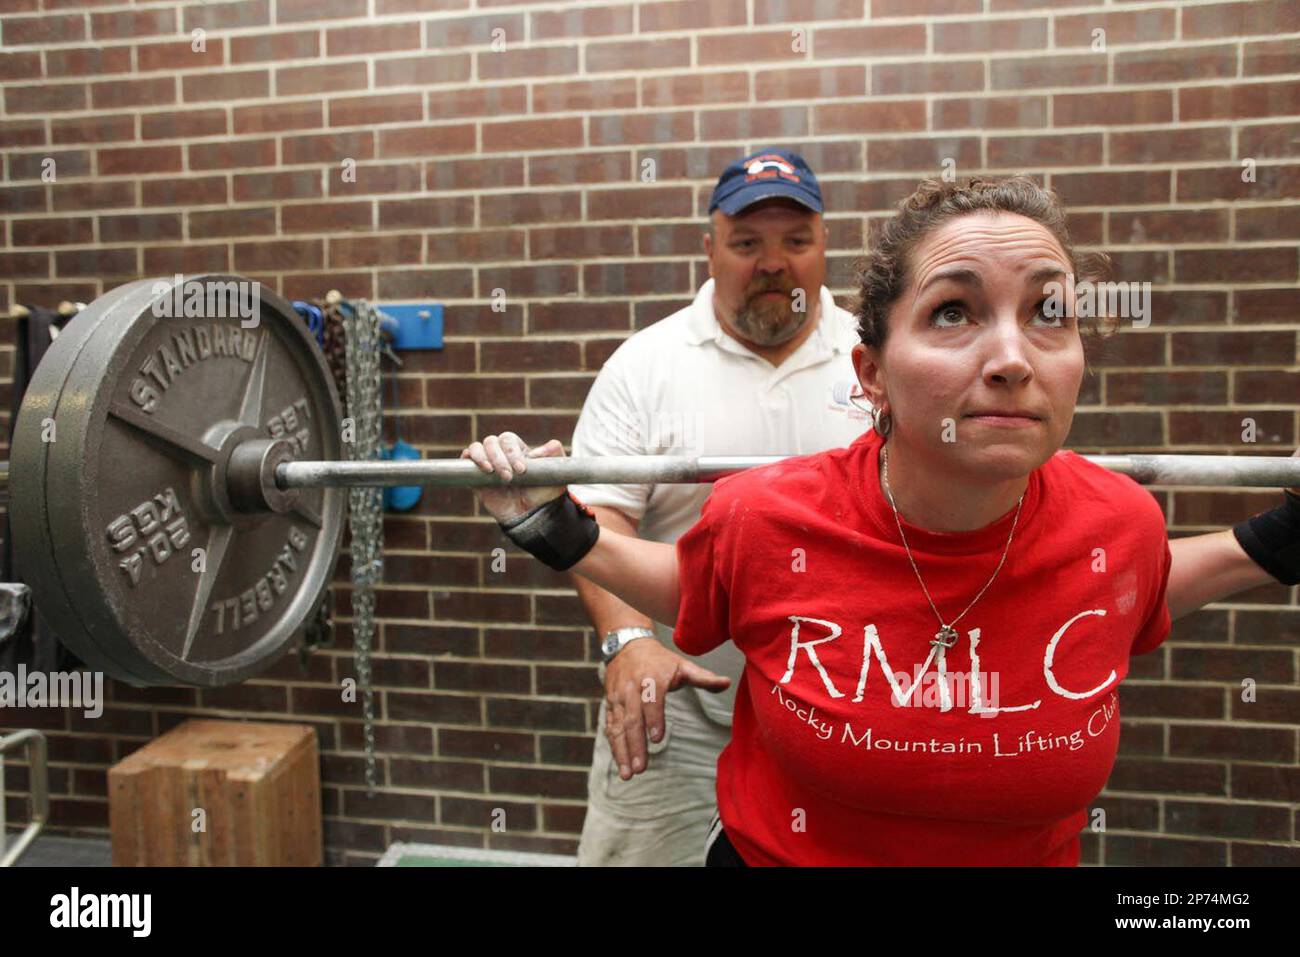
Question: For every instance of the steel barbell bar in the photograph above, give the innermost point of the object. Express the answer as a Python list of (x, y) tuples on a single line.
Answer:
[(1191, 470), (1225, 470)]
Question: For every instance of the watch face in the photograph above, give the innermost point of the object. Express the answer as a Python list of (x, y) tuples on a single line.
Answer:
[(609, 645)]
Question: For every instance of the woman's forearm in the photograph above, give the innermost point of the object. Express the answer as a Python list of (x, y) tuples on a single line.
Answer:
[(1207, 568), (642, 573)]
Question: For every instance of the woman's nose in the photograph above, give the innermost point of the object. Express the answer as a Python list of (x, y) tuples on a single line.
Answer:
[(1006, 359)]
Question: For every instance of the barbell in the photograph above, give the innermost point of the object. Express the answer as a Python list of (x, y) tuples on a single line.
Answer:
[(175, 476)]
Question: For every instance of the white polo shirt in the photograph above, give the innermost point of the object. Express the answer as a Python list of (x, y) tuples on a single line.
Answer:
[(682, 386)]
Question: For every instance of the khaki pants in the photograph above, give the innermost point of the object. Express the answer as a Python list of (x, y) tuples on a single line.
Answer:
[(661, 817)]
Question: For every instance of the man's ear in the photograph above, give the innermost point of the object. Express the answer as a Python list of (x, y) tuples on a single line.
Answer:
[(866, 363), (708, 252)]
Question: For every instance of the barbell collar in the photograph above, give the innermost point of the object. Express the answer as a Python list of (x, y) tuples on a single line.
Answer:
[(1208, 470)]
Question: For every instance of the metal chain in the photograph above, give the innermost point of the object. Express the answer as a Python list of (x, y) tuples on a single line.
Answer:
[(365, 505), (945, 629)]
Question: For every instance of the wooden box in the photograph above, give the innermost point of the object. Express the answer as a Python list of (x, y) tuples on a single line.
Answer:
[(214, 793)]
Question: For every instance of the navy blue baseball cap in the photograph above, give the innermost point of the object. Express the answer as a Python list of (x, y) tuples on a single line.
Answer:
[(764, 175)]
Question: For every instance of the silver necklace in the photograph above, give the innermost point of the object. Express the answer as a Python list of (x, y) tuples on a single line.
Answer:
[(946, 636)]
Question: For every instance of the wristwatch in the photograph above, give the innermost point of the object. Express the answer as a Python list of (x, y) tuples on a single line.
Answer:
[(616, 640)]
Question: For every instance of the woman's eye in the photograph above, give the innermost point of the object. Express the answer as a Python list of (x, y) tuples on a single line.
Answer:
[(948, 314), (1056, 322)]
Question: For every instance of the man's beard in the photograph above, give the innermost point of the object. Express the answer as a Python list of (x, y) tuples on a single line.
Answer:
[(769, 322)]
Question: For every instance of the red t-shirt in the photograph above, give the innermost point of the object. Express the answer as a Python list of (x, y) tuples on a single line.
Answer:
[(801, 565)]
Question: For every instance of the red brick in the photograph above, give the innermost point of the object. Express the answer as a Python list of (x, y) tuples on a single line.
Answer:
[(82, 197), (536, 207), (811, 83), (373, 110), (923, 154), (1272, 56), (518, 135), (990, 112), (889, 79), (527, 61), (651, 202), (354, 40), (1169, 226), (642, 127), (1061, 149), (231, 154), (295, 184), (1265, 305), (226, 16), (686, 89), (631, 55), (1271, 182), (573, 317), (420, 284), (421, 70), (785, 11), (138, 159), (376, 178), (281, 45), (583, 22), (279, 116), (603, 167), (86, 129), (32, 132), (1109, 188), (330, 147), (579, 242), (80, 62), (122, 93), (323, 78), (984, 36), (1168, 146), (433, 212), (1268, 222), (45, 29), (46, 99), (186, 258), (1239, 101), (1255, 348), (869, 117), (184, 124), (480, 246), (299, 11), (616, 93), (231, 222), (635, 279), (1173, 65), (1124, 26), (486, 101), (765, 123), (322, 217), (280, 255), (426, 140), (229, 85), (1236, 265), (463, 174), (180, 55), (920, 8), (1062, 70), (1234, 19), (349, 252), (443, 34), (737, 47), (527, 281), (1100, 109), (192, 190), (1116, 430)]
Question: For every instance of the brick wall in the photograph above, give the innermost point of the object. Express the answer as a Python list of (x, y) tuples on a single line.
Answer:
[(564, 153)]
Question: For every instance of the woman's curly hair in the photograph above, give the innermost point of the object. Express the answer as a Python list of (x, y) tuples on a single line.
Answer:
[(883, 271)]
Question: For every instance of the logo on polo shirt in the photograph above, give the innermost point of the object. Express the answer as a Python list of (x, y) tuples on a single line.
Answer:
[(847, 396), (770, 166)]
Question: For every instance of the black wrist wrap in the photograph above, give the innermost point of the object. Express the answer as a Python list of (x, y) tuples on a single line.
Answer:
[(557, 533), (1272, 539)]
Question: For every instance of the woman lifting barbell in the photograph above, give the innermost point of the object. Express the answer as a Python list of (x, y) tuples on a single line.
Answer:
[(936, 619)]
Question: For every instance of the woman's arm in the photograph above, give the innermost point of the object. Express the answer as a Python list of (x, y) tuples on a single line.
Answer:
[(642, 573), (1207, 568)]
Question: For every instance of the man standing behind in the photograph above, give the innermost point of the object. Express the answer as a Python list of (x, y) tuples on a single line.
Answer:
[(758, 364)]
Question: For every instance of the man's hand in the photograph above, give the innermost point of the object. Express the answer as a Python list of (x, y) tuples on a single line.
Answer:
[(636, 682)]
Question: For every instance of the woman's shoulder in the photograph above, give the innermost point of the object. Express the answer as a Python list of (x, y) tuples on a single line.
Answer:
[(798, 480), (1102, 489)]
